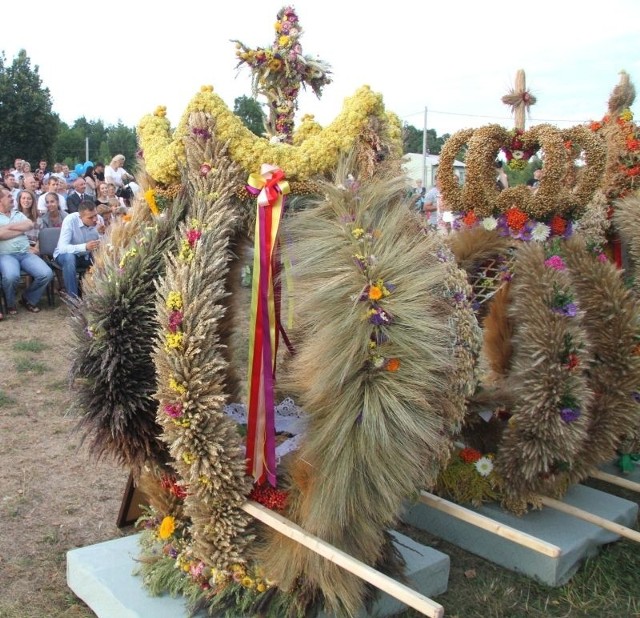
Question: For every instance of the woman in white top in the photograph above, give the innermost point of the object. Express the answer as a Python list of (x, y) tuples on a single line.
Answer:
[(115, 172)]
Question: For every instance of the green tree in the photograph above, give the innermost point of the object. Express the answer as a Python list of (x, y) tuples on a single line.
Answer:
[(122, 140), (28, 126), (250, 112), (412, 140)]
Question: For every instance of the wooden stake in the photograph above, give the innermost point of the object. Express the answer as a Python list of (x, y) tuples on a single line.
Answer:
[(486, 523), (616, 480), (591, 518), (401, 592)]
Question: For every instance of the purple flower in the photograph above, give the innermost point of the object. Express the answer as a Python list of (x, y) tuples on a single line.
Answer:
[(568, 415), (570, 310), (380, 317), (459, 297), (175, 320)]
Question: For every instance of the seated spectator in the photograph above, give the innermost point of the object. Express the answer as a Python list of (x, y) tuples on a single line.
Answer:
[(52, 187), (77, 196), (16, 256), (102, 194), (27, 205), (105, 212), (79, 237), (54, 216)]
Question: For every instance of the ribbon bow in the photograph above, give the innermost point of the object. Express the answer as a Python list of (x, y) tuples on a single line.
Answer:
[(268, 185)]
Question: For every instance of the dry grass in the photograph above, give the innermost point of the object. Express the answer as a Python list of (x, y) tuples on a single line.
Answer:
[(53, 498)]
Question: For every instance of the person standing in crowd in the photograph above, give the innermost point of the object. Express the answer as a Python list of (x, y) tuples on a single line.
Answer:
[(418, 194), (431, 205), (79, 238), (502, 182), (98, 171), (54, 216), (91, 187), (15, 255), (115, 172)]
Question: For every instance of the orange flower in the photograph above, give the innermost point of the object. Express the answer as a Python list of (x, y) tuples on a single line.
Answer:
[(375, 293), (568, 145), (595, 126), (470, 219), (470, 455), (393, 364), (515, 219), (558, 225), (633, 144)]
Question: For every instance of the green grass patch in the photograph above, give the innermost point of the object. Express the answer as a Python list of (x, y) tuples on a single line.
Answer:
[(26, 365), (31, 345), (6, 400)]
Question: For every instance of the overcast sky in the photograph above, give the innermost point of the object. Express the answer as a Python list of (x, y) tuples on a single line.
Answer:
[(118, 61)]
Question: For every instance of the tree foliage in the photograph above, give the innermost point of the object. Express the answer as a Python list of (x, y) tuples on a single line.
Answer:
[(250, 112), (413, 140), (28, 126)]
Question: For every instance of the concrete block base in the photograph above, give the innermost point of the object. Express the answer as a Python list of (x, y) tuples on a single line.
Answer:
[(102, 576), (576, 538)]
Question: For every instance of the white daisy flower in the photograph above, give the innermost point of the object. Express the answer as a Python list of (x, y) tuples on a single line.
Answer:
[(540, 232), (484, 466), (489, 223)]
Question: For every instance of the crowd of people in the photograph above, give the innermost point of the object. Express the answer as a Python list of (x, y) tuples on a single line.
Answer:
[(82, 205)]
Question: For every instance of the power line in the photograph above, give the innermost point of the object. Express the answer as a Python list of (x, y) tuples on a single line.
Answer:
[(435, 111)]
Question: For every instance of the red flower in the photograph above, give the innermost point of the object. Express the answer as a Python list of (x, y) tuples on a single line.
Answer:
[(633, 144), (470, 219), (572, 362), (469, 455), (274, 499), (633, 171), (193, 236), (515, 219), (558, 225), (595, 126)]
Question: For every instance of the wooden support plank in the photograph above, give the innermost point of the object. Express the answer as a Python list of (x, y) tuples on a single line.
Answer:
[(401, 592), (616, 480), (619, 529), (486, 523)]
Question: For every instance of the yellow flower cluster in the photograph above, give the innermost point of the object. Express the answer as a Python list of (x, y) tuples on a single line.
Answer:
[(318, 152), (174, 301), (150, 198), (186, 252), (167, 528), (173, 341), (175, 386), (130, 253)]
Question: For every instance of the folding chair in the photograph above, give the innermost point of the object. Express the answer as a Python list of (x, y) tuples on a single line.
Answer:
[(48, 241)]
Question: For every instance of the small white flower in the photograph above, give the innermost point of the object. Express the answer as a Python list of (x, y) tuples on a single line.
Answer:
[(484, 466), (517, 154), (540, 232), (489, 223)]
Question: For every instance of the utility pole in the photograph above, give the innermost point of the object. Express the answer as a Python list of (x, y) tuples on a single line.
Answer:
[(425, 149), (86, 148)]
